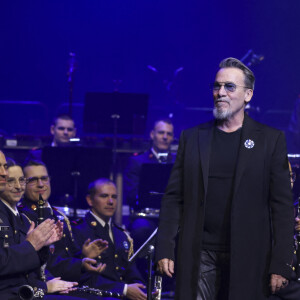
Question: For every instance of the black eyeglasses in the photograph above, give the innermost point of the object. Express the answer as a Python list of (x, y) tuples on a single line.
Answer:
[(228, 86), (35, 180)]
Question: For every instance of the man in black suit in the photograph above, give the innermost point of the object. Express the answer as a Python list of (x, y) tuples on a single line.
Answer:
[(229, 196), (121, 276)]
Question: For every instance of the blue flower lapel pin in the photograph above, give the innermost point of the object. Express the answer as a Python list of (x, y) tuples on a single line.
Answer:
[(249, 144)]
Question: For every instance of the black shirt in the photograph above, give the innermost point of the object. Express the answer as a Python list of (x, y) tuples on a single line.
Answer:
[(222, 164)]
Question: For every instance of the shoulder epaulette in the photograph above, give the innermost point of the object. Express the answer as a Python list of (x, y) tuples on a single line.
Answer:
[(66, 220), (27, 218)]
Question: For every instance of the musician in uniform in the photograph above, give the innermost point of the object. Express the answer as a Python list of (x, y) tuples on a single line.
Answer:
[(122, 276), (62, 129), (22, 247), (162, 136), (65, 258)]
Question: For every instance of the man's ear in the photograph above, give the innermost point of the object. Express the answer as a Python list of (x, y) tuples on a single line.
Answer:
[(52, 129), (152, 134), (249, 94), (89, 200)]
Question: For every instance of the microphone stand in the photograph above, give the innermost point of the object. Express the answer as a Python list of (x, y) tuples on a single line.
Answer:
[(115, 118), (70, 73), (147, 251)]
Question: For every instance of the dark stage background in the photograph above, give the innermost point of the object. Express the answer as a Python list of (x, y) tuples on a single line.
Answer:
[(118, 39)]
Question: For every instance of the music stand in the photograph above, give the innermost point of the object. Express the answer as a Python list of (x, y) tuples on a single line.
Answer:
[(73, 168), (147, 251), (152, 184), (99, 108)]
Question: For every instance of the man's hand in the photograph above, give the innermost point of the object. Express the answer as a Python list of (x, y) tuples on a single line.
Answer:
[(57, 233), (39, 236), (87, 264), (134, 291), (277, 282), (166, 266), (94, 248), (58, 285)]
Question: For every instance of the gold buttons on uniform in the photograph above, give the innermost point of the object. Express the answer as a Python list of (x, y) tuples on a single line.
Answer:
[(116, 255), (121, 278), (6, 236), (64, 235), (117, 268), (16, 231), (293, 268), (67, 249), (99, 256)]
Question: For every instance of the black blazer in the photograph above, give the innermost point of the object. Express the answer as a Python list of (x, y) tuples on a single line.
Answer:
[(261, 213)]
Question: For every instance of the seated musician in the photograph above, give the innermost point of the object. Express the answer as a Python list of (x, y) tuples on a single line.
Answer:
[(65, 258), (22, 245), (162, 136), (62, 129), (102, 199)]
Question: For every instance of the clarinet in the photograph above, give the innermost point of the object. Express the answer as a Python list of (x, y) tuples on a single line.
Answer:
[(98, 292), (26, 292), (40, 210), (41, 219), (298, 246)]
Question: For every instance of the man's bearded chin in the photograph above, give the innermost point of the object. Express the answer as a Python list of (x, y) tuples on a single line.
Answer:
[(222, 114)]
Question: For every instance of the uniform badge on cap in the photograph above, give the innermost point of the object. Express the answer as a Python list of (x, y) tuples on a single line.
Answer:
[(249, 144), (94, 223), (125, 244)]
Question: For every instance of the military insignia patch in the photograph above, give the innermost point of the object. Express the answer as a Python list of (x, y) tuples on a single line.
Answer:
[(94, 223), (125, 244), (33, 207)]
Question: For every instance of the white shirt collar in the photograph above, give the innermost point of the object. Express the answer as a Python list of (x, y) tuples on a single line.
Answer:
[(14, 211), (101, 221), (154, 153)]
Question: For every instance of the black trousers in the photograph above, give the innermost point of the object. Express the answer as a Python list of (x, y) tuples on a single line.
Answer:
[(213, 276)]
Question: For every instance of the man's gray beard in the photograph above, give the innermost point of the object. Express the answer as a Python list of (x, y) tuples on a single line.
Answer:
[(221, 114)]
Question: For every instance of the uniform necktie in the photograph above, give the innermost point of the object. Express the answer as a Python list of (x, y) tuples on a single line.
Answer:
[(106, 228)]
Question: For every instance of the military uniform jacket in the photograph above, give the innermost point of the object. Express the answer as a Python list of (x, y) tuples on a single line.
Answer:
[(19, 263), (118, 270), (64, 260)]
